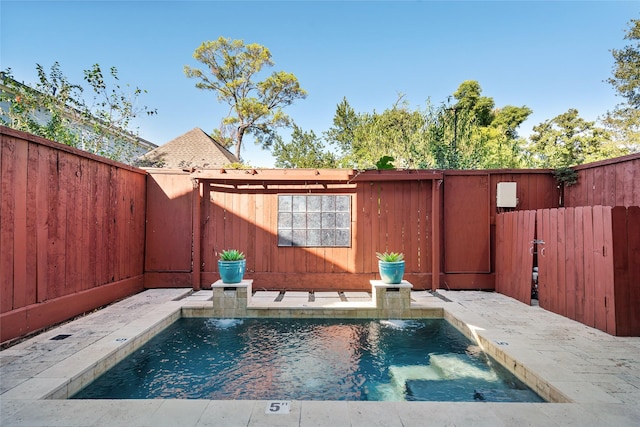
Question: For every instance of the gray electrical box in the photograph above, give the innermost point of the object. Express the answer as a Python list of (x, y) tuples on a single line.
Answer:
[(506, 195)]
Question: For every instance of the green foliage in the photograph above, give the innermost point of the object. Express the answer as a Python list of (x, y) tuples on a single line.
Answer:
[(623, 123), (112, 109), (365, 138), (469, 134), (238, 166), (385, 162), (55, 109), (231, 255), (390, 256), (305, 150), (345, 121), (568, 140), (255, 106), (626, 72), (565, 176)]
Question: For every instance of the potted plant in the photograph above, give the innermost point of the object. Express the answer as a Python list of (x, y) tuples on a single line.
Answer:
[(391, 267), (231, 266)]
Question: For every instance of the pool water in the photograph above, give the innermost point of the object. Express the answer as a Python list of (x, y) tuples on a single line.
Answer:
[(309, 359)]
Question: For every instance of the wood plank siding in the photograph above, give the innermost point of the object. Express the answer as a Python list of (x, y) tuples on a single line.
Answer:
[(588, 260), (71, 232)]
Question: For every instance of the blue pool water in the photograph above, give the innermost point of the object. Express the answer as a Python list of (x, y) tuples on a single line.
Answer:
[(309, 359)]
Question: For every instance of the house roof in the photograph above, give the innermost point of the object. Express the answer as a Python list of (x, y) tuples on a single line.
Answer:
[(194, 149)]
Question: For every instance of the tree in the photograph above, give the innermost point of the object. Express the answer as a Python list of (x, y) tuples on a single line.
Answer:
[(473, 134), (365, 138), (568, 140), (626, 71), (111, 112), (55, 109), (624, 121), (469, 99), (345, 122), (468, 134), (255, 107), (48, 110), (304, 151)]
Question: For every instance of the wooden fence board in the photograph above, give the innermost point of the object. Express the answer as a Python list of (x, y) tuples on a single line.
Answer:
[(20, 226), (629, 312), (31, 225), (551, 259), (600, 273), (42, 224), (589, 274), (579, 256), (561, 286), (7, 225), (626, 247), (545, 250), (609, 282), (570, 263), (515, 232)]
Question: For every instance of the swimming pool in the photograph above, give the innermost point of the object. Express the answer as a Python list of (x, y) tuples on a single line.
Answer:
[(309, 359)]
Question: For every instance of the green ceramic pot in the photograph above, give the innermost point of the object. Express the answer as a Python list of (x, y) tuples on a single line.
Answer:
[(232, 271), (391, 272)]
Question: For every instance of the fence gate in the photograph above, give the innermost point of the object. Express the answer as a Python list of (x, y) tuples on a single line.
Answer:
[(576, 265), (515, 252)]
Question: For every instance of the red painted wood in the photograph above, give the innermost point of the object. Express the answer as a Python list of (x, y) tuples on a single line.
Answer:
[(629, 309), (31, 219), (34, 317), (608, 305), (551, 260), (614, 182), (42, 223), (543, 274), (196, 214), (466, 216), (525, 282), (626, 249), (47, 238), (20, 226), (599, 269), (7, 222), (436, 233), (561, 287), (570, 263), (168, 229), (579, 256), (589, 273)]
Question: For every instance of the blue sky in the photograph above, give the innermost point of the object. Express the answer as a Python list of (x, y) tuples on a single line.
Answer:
[(549, 56)]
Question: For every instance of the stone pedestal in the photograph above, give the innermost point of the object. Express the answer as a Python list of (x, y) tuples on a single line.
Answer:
[(392, 300), (230, 299)]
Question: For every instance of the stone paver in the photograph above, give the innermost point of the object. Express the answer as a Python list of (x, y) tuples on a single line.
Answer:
[(598, 374)]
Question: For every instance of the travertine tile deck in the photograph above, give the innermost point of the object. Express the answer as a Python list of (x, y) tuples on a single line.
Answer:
[(597, 373)]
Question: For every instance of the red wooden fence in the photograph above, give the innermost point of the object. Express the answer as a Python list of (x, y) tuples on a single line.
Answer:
[(588, 260), (71, 232), (515, 235), (614, 182), (391, 211)]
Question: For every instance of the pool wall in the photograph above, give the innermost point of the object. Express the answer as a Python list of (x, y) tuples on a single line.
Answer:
[(110, 350)]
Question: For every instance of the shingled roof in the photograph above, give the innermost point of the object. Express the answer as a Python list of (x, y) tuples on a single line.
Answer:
[(194, 149)]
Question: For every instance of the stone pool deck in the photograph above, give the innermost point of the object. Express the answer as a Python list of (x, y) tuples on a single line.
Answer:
[(597, 375)]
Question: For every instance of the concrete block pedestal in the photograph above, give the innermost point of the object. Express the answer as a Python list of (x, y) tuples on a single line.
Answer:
[(392, 300), (230, 299)]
